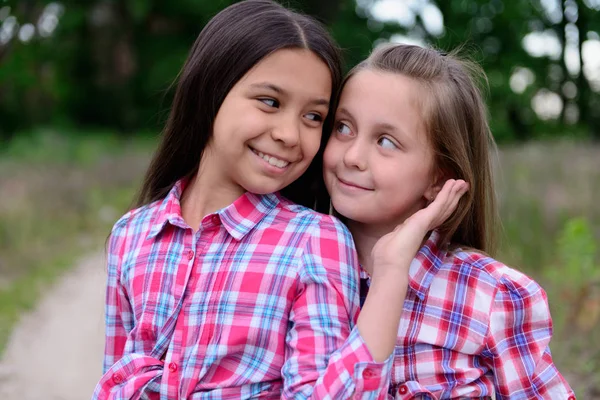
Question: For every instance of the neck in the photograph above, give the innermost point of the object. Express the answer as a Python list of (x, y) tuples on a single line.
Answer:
[(204, 195), (365, 237)]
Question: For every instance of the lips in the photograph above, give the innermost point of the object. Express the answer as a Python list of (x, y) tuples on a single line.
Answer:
[(352, 184)]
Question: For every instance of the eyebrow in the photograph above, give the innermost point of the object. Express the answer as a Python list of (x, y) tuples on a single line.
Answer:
[(387, 127), (346, 113), (283, 92)]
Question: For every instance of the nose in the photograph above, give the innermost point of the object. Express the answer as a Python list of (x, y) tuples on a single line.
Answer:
[(287, 132), (354, 156)]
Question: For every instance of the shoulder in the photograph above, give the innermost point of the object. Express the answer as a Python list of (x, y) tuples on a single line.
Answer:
[(134, 223), (504, 280), (316, 224), (328, 248)]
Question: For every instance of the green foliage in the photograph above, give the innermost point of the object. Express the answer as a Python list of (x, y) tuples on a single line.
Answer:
[(575, 268), (575, 299), (548, 192), (111, 63), (577, 250), (60, 196)]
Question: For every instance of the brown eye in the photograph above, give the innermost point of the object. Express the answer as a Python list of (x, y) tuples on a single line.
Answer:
[(314, 117)]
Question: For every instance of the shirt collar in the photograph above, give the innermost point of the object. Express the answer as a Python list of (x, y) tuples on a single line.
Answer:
[(169, 210), (425, 265), (238, 218), (246, 212)]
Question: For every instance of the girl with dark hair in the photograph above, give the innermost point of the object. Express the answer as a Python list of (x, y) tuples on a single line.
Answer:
[(221, 284), (409, 119)]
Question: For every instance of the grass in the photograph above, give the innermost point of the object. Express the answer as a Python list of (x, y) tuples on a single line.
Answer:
[(59, 196), (548, 201)]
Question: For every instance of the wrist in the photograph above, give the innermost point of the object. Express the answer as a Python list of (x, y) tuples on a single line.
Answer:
[(389, 276), (398, 268)]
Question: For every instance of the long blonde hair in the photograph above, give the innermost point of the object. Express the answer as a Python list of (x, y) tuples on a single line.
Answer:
[(456, 122)]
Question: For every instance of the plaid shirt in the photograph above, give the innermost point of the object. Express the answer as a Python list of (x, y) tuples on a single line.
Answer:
[(471, 324), (260, 302)]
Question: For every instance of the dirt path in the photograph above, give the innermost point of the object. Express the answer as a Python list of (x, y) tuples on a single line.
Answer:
[(55, 352)]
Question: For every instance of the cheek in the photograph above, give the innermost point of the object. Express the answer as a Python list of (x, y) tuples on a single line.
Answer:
[(311, 144), (400, 181), (331, 155), (386, 176)]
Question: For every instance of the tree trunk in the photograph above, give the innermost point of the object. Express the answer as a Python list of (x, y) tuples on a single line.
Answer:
[(560, 30), (583, 86)]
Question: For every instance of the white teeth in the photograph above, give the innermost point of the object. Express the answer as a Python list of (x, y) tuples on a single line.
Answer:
[(272, 160)]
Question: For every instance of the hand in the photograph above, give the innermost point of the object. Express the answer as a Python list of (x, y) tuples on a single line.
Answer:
[(400, 246)]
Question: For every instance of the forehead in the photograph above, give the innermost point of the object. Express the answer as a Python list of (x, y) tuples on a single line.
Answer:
[(379, 99), (390, 91), (300, 71)]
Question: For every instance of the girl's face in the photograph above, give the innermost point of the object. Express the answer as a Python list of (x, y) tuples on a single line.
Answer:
[(378, 163), (268, 129)]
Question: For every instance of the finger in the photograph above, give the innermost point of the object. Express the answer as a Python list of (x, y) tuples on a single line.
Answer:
[(443, 197), (427, 218), (442, 204), (448, 200), (458, 189), (439, 210)]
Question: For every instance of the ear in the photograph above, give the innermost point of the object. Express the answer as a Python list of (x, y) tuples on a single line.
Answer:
[(438, 178)]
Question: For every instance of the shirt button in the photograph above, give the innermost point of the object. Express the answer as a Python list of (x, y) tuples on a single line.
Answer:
[(571, 397), (368, 373), (190, 254), (403, 389), (172, 367), (216, 219), (117, 378)]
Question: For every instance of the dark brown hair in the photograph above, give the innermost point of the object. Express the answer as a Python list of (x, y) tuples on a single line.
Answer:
[(456, 122), (230, 44)]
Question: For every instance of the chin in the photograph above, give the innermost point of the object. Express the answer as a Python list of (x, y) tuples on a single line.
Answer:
[(362, 213), (263, 187), (353, 212)]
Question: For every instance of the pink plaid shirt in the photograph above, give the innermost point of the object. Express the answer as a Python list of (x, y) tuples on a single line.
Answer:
[(472, 325), (260, 302)]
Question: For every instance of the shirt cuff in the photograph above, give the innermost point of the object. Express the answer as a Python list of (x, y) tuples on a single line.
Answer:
[(371, 378), (128, 377)]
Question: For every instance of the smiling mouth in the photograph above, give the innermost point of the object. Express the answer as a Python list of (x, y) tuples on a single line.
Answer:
[(353, 185), (274, 161)]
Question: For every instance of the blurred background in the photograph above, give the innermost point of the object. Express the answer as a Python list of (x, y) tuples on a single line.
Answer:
[(85, 90)]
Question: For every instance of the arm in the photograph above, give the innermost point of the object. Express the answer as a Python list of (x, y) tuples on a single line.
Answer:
[(118, 314), (125, 376), (517, 345), (327, 305), (322, 320), (391, 258)]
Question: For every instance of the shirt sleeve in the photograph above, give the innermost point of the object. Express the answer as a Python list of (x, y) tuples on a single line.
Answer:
[(517, 345), (326, 358), (118, 313)]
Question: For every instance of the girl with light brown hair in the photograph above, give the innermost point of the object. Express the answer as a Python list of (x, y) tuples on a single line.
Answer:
[(409, 119)]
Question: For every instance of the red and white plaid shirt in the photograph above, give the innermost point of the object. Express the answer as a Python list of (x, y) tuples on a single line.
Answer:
[(472, 325), (260, 302)]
